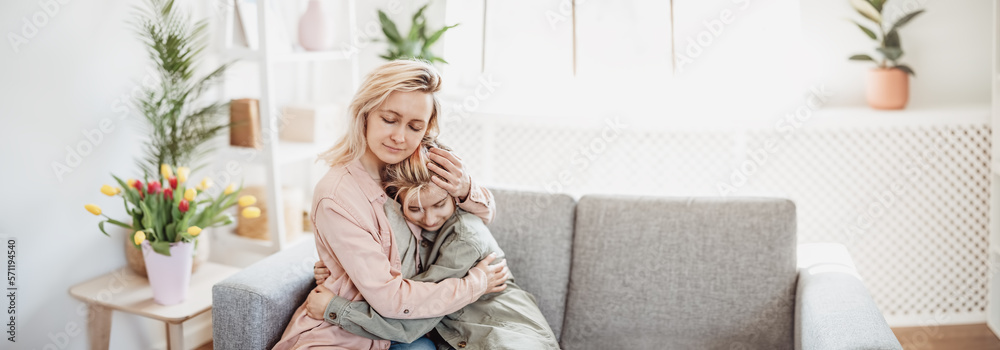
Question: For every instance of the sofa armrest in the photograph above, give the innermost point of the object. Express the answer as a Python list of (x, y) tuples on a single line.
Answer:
[(251, 308), (833, 310)]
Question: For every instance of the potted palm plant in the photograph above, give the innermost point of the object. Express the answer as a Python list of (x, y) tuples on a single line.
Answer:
[(888, 83)]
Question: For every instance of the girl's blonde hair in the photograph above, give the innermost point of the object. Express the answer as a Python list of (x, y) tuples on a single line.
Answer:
[(404, 180), (399, 75)]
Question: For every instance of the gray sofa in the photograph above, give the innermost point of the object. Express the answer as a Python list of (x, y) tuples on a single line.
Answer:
[(614, 272)]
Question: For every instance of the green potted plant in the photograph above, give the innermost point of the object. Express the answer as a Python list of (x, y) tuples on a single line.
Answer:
[(416, 44), (888, 83)]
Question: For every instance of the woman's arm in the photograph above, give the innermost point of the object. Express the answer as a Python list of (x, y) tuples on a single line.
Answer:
[(455, 259), (365, 259)]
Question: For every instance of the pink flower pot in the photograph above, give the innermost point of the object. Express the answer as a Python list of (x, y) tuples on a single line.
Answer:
[(888, 88), (315, 29), (169, 276)]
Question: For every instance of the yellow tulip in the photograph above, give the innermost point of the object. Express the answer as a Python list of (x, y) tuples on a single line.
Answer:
[(130, 183), (229, 189), (251, 212), (118, 190), (247, 200), (108, 190), (139, 237), (93, 209), (205, 184), (182, 174), (189, 194), (166, 171), (194, 230)]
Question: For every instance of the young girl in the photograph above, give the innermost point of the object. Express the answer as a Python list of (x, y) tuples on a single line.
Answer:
[(455, 241)]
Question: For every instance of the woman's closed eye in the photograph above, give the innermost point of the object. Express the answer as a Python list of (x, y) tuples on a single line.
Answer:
[(388, 121)]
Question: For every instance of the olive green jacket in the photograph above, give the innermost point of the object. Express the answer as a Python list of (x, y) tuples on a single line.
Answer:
[(509, 319)]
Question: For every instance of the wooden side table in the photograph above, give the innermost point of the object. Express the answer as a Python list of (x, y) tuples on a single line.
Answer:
[(123, 290)]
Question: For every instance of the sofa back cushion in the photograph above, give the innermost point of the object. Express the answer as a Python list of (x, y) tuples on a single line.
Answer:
[(535, 230), (682, 273)]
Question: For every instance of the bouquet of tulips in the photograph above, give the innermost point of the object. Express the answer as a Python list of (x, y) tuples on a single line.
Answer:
[(165, 210)]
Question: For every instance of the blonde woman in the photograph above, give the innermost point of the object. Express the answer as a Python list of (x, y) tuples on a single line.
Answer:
[(457, 241), (393, 111)]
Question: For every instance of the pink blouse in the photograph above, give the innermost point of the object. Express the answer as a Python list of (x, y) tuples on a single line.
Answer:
[(355, 241)]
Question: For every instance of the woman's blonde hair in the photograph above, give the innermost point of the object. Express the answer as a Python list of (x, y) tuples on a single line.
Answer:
[(399, 75), (404, 180)]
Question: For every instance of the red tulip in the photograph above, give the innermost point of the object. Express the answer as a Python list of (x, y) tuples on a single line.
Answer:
[(183, 207), (173, 182), (168, 194), (153, 187), (138, 185)]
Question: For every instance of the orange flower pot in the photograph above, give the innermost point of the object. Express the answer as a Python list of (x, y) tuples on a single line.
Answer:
[(888, 88)]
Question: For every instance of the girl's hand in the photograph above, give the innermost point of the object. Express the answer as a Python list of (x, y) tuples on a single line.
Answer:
[(317, 301), (320, 272), (496, 275), (451, 174)]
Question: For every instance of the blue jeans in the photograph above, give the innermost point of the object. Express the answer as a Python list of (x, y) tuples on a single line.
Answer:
[(420, 344)]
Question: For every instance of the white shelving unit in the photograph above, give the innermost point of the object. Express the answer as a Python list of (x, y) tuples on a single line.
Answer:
[(277, 154)]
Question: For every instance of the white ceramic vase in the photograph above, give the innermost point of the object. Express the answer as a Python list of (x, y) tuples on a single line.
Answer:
[(169, 276)]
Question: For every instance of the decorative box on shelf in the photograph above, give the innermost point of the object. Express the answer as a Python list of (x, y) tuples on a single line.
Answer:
[(310, 123), (244, 114)]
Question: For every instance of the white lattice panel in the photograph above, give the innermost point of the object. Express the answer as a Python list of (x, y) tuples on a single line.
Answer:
[(910, 202)]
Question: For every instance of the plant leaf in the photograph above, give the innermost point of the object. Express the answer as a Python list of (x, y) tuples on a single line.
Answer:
[(892, 39), (389, 28), (437, 35), (906, 19), (867, 31), (877, 4), (162, 247), (420, 13), (861, 58), (100, 225), (119, 223), (891, 53), (867, 10), (906, 69)]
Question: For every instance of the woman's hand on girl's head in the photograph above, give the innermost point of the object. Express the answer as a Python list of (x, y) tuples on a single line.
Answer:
[(452, 176), (496, 275), (320, 272), (317, 301)]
